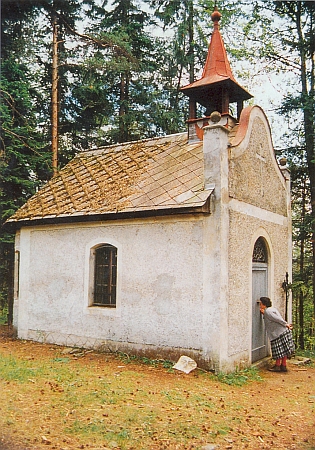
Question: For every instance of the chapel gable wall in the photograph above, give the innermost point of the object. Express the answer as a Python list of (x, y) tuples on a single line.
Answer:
[(254, 176)]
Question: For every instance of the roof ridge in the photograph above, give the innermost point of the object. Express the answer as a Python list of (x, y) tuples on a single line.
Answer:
[(123, 144)]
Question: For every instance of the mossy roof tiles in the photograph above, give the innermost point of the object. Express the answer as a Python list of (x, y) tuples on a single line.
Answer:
[(160, 173)]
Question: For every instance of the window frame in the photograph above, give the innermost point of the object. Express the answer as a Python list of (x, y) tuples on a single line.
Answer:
[(108, 288)]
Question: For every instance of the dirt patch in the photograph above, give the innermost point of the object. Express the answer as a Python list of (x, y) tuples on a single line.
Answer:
[(52, 397)]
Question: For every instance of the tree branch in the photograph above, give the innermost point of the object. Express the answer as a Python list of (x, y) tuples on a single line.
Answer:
[(21, 138)]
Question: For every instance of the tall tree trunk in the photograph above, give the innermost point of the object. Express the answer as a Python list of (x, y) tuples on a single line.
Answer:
[(7, 278), (301, 269), (191, 55), (54, 96), (123, 107), (10, 281), (309, 127)]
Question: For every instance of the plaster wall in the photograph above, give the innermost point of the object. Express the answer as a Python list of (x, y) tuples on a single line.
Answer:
[(160, 289), (254, 176)]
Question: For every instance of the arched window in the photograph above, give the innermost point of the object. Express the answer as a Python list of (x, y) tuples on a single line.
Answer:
[(260, 254), (105, 276)]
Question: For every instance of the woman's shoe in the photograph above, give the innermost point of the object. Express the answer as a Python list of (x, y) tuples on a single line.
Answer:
[(283, 368), (275, 368)]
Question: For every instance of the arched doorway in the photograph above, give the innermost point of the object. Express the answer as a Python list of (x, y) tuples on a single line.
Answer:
[(260, 289)]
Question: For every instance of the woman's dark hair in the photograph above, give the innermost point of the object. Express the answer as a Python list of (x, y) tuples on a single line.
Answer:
[(265, 301)]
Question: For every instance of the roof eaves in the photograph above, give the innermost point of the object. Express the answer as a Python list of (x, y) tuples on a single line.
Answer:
[(198, 204)]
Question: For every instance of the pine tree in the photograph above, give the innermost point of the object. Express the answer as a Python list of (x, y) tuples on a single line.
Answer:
[(22, 150), (125, 61)]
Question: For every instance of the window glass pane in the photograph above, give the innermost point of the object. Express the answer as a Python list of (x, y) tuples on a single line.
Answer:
[(260, 251), (105, 276)]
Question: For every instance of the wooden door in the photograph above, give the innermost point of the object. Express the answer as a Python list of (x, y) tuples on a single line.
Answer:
[(260, 289)]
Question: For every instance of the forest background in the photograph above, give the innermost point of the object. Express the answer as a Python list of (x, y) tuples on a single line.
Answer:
[(80, 74)]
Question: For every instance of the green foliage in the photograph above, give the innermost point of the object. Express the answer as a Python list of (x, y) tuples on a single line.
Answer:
[(302, 289), (239, 377), (144, 360), (307, 354), (3, 313), (22, 154), (23, 158)]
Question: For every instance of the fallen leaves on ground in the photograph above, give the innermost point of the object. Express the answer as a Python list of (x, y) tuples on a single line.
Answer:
[(54, 398)]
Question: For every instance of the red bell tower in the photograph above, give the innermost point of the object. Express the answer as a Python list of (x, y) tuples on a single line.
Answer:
[(217, 87)]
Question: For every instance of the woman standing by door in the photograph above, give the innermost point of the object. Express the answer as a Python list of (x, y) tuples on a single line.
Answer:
[(279, 333)]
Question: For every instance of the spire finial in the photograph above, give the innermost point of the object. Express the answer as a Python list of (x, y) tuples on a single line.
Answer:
[(215, 17)]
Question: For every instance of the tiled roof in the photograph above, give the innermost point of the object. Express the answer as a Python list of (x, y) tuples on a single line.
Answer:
[(153, 174)]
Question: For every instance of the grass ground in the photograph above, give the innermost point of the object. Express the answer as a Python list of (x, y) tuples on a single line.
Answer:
[(59, 398)]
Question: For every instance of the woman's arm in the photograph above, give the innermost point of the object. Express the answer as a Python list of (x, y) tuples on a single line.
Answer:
[(275, 316)]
